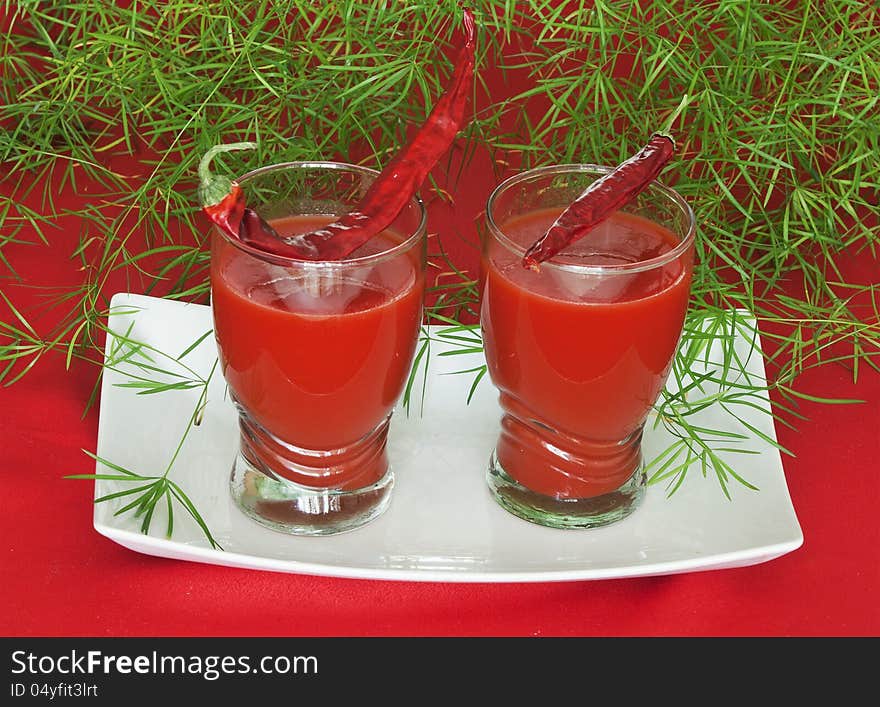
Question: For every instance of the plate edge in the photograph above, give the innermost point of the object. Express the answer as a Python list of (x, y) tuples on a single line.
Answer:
[(156, 547)]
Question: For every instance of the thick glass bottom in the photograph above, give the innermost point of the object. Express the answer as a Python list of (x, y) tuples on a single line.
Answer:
[(571, 513), (294, 509)]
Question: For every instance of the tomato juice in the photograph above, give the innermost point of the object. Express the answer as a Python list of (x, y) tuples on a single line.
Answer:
[(316, 355), (579, 356)]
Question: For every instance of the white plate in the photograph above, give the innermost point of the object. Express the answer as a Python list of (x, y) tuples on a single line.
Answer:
[(442, 524)]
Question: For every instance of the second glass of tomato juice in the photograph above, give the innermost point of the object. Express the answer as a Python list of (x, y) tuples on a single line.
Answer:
[(316, 353), (579, 348)]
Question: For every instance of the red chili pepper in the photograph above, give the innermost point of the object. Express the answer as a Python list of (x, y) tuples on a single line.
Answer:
[(223, 201), (602, 198), (221, 198), (401, 178), (385, 198)]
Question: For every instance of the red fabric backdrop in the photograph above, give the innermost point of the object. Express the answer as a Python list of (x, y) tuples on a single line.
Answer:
[(60, 578)]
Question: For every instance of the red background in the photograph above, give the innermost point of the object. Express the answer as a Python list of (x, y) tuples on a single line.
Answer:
[(60, 578)]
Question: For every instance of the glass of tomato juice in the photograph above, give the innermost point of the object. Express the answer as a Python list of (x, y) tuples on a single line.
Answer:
[(580, 349), (316, 353)]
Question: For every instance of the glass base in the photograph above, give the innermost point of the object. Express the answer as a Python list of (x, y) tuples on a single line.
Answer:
[(565, 512), (294, 509)]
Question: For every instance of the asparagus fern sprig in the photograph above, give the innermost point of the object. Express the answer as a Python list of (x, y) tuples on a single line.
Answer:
[(150, 371)]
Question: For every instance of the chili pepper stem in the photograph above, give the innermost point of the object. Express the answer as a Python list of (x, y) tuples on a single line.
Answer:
[(214, 188), (667, 129)]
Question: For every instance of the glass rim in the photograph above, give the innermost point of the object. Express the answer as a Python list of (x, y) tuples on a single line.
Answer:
[(411, 240), (639, 266)]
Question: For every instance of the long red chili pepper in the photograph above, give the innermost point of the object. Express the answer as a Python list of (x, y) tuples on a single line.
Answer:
[(399, 180), (602, 198), (385, 198)]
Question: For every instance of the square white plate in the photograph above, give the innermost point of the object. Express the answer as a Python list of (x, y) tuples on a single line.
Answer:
[(442, 524)]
